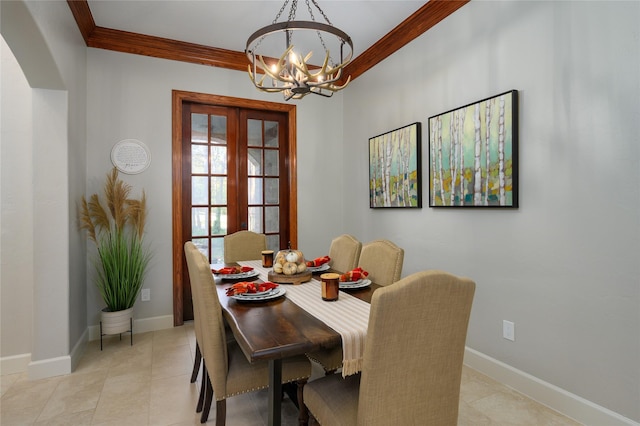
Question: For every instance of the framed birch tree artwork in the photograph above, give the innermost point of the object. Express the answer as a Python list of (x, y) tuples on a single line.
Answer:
[(394, 169), (473, 154)]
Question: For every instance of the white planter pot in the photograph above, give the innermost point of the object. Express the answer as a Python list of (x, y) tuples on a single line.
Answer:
[(116, 322)]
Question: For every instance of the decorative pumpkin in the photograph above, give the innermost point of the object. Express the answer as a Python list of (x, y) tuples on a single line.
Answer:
[(289, 262), (290, 268), (292, 257)]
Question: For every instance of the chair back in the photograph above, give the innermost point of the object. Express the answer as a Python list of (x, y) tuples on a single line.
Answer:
[(413, 376), (197, 326), (383, 260), (244, 245), (344, 253), (209, 315)]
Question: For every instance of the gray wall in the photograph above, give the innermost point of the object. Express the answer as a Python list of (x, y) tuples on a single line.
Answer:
[(16, 248), (43, 163), (129, 96), (564, 266)]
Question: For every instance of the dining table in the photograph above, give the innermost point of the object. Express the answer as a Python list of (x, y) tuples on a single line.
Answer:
[(272, 330)]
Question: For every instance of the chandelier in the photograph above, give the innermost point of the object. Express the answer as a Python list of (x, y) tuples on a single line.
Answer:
[(293, 73)]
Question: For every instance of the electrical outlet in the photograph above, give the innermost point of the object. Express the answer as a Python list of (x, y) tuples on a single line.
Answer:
[(509, 330), (145, 294)]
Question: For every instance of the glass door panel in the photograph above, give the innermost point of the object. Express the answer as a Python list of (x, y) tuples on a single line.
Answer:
[(263, 172), (209, 183)]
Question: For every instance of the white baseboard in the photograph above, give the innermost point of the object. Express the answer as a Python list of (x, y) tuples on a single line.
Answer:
[(65, 364), (139, 326), (558, 399), (46, 367), (14, 364), (60, 365), (49, 367)]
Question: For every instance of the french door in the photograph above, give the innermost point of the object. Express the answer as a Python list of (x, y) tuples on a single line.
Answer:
[(236, 172), (237, 181)]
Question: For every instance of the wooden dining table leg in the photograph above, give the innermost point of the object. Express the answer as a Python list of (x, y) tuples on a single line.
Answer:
[(275, 392)]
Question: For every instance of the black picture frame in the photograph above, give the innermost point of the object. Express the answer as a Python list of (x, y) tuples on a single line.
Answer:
[(472, 164), (395, 168)]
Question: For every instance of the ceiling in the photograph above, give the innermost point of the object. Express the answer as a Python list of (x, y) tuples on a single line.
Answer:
[(228, 24), (215, 32)]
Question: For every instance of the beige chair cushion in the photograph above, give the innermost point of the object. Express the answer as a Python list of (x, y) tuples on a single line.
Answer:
[(383, 260), (410, 377), (344, 253), (245, 377), (333, 400), (329, 359), (244, 245)]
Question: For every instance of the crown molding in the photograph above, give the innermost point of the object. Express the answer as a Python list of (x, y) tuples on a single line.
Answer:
[(430, 14), (433, 12)]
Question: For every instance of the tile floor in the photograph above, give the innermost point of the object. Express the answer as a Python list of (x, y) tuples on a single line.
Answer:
[(148, 384)]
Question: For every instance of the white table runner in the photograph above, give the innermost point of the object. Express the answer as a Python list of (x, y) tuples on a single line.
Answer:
[(349, 316)]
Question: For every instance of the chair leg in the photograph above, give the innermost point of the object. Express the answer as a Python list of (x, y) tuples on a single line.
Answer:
[(196, 364), (221, 412), (303, 413), (207, 400), (202, 388)]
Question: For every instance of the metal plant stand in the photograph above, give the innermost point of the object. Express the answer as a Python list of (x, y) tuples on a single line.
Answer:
[(130, 331)]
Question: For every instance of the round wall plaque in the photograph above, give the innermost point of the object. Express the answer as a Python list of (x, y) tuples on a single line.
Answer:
[(131, 156)]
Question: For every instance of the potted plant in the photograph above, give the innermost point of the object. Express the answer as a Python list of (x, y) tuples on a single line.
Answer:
[(122, 256)]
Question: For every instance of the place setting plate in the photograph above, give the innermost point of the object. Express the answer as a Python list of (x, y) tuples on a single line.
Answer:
[(354, 284), (261, 296), (321, 268), (242, 275)]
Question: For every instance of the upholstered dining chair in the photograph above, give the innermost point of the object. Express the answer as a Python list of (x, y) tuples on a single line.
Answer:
[(197, 361), (244, 245), (344, 253), (383, 260), (226, 370), (412, 362)]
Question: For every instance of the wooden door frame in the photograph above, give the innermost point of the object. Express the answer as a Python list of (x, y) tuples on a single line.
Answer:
[(178, 99)]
